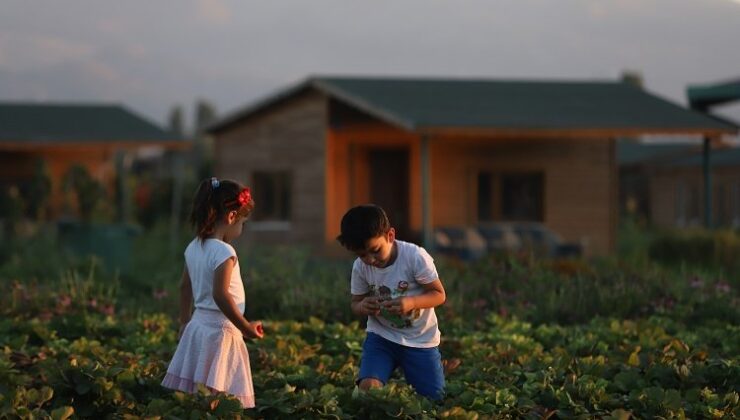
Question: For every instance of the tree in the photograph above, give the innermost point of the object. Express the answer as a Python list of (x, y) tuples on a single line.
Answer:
[(11, 210), (176, 123), (39, 191), (205, 114), (88, 191), (632, 77)]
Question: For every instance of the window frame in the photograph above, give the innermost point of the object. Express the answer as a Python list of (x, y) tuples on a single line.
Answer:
[(496, 207), (281, 215)]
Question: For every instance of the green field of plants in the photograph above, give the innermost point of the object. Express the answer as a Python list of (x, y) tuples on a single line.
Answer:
[(521, 339)]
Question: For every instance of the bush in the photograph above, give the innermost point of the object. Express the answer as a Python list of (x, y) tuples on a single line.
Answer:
[(289, 283), (68, 349), (708, 249), (88, 191)]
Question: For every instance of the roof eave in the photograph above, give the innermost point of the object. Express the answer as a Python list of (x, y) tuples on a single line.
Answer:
[(713, 94), (320, 85), (363, 105), (259, 105), (594, 132), (25, 145), (325, 86)]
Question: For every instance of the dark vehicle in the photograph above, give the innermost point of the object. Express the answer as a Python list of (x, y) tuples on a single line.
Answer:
[(471, 242)]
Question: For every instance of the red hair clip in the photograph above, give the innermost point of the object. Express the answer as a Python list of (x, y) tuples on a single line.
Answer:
[(243, 201), (245, 197)]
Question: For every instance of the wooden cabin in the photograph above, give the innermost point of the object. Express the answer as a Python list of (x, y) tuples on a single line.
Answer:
[(440, 152), (663, 184), (62, 135)]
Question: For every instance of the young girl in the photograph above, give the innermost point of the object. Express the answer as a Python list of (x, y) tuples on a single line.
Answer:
[(211, 350)]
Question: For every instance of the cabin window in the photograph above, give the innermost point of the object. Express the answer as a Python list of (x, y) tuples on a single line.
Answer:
[(681, 207), (272, 196), (688, 205), (485, 196), (720, 208), (504, 196), (735, 199)]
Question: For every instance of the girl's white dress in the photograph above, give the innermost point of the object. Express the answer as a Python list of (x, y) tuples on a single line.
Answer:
[(211, 350)]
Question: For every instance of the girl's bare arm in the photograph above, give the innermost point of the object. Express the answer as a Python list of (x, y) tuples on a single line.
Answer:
[(186, 297), (226, 304)]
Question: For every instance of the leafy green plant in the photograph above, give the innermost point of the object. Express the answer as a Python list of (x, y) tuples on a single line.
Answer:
[(701, 248), (606, 368), (39, 191), (88, 191), (522, 338)]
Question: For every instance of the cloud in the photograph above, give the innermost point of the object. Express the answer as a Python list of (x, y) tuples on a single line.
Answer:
[(233, 51), (18, 51), (111, 25), (213, 11)]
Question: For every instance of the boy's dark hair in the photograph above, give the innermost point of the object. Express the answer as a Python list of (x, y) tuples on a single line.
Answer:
[(361, 224), (213, 199)]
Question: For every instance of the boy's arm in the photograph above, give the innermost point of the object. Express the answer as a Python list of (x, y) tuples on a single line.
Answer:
[(434, 295), (434, 292), (364, 305)]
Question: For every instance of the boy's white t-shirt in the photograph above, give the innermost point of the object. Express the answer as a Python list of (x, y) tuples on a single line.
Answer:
[(412, 268), (202, 259)]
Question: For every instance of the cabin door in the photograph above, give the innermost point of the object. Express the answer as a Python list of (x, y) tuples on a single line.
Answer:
[(389, 186)]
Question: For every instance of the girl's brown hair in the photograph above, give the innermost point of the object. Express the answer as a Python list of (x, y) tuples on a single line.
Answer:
[(214, 199)]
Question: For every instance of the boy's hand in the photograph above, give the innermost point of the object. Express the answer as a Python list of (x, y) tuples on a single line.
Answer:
[(255, 330), (370, 306), (399, 305)]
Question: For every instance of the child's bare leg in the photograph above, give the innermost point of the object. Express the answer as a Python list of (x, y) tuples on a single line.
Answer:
[(368, 383)]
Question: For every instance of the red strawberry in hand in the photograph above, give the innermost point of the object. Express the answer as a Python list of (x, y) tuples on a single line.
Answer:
[(260, 330)]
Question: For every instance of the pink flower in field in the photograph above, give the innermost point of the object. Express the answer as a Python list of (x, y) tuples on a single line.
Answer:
[(93, 303), (663, 303), (479, 303), (108, 309), (20, 290), (696, 282), (160, 294), (722, 287), (45, 316), (528, 304), (64, 301)]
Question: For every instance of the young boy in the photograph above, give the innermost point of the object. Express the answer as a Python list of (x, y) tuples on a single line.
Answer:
[(394, 284)]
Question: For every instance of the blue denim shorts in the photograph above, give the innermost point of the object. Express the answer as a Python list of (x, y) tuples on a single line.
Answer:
[(422, 367)]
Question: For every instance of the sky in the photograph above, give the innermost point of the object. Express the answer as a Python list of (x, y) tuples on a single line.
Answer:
[(152, 55)]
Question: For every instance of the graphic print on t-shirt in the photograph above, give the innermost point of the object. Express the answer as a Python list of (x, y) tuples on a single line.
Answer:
[(384, 293)]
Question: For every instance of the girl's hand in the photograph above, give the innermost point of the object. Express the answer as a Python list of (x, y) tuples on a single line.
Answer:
[(399, 305), (255, 330), (370, 306)]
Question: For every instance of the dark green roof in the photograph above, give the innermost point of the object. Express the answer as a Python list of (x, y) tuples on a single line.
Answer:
[(718, 158), (427, 104), (635, 153), (31, 122), (676, 155), (704, 96)]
